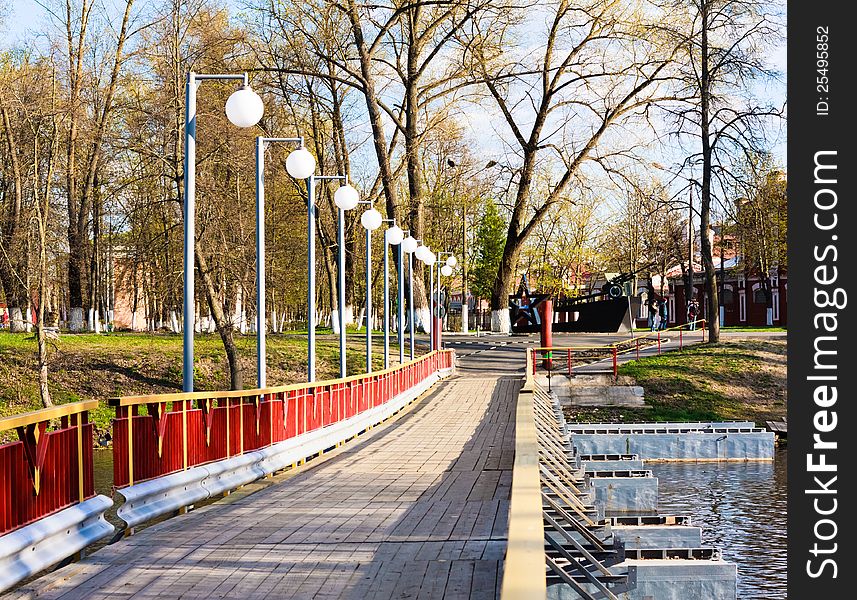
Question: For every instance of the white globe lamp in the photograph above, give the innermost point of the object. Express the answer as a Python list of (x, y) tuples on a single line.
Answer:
[(429, 258), (451, 262), (244, 107), (346, 197), (395, 235), (300, 164), (409, 244), (371, 219), (446, 270)]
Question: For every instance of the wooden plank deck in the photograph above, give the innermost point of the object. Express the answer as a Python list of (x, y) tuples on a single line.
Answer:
[(417, 509)]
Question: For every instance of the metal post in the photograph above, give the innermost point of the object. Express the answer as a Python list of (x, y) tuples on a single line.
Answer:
[(368, 301), (401, 315), (615, 364), (260, 264), (386, 303), (310, 185), (189, 316), (659, 343), (341, 291), (411, 299), (431, 308)]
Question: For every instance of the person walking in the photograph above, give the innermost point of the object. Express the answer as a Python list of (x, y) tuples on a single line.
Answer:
[(664, 313), (653, 314), (691, 315)]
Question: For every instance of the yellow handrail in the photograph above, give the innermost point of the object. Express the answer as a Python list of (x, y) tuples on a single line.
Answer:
[(214, 395), (46, 414), (524, 568)]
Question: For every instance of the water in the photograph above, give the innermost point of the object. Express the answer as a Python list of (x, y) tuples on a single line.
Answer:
[(741, 508)]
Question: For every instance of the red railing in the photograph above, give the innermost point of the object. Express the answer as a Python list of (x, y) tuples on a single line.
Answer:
[(49, 468), (183, 430), (554, 358)]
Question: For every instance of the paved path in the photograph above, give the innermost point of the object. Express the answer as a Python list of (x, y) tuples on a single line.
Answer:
[(415, 509)]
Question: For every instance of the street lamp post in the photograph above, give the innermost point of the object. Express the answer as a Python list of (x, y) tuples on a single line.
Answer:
[(392, 236), (410, 245), (401, 312), (371, 220), (446, 270), (244, 108), (300, 165), (345, 198)]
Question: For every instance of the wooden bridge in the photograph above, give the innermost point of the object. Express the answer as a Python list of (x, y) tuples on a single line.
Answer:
[(416, 507), (426, 480)]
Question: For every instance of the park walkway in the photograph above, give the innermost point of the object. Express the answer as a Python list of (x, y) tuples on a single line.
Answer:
[(416, 508)]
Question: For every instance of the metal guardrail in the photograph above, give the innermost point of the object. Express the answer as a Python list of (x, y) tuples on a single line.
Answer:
[(170, 493), (48, 507), (33, 548), (50, 466), (175, 435)]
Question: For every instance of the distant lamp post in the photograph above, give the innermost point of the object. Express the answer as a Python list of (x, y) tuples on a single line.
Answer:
[(392, 236), (244, 108), (345, 198), (446, 271), (410, 245), (371, 220), (300, 164)]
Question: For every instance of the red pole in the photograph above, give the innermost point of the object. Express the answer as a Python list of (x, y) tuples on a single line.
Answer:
[(638, 348), (568, 361), (436, 332), (615, 365), (546, 310), (679, 339), (659, 343), (704, 324)]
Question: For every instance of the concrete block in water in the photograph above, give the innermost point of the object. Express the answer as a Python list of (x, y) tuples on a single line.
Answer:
[(755, 445), (639, 537), (670, 579), (611, 465), (625, 494)]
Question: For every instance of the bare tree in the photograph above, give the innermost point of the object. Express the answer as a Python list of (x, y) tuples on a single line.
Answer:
[(596, 69), (723, 45)]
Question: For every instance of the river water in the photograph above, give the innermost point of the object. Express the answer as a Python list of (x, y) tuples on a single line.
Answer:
[(741, 508)]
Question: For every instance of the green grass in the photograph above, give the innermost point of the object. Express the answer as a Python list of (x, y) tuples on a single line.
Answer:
[(742, 328), (733, 380), (90, 366)]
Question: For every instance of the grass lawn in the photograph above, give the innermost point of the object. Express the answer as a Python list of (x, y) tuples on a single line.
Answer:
[(733, 380), (741, 328), (90, 366)]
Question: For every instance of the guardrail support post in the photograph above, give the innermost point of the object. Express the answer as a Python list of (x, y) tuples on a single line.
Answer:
[(679, 338), (659, 343), (568, 361)]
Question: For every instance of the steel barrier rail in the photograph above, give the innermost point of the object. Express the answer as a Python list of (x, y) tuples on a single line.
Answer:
[(175, 435), (174, 458), (50, 466), (48, 507), (524, 567)]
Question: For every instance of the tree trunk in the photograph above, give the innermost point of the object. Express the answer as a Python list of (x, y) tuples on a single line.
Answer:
[(705, 209), (224, 327)]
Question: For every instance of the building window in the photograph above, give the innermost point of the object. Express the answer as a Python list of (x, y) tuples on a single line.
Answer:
[(759, 295), (775, 299), (672, 309), (742, 306), (728, 296)]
